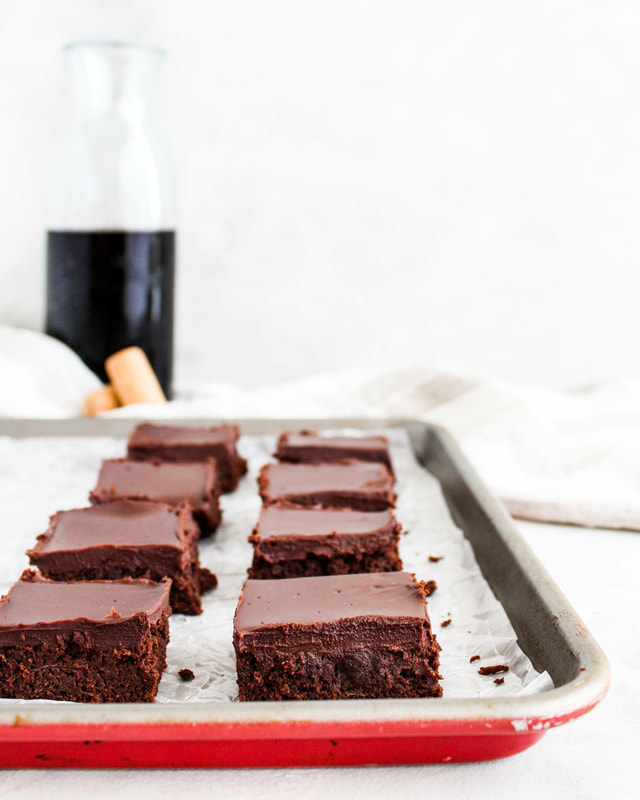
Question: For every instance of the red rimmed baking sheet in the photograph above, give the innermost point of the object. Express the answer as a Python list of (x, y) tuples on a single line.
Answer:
[(323, 733)]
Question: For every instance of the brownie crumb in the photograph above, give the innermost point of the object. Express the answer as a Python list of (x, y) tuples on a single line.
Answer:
[(429, 587), (186, 674), (498, 680), (493, 670), (474, 658), (435, 559), (207, 579), (445, 623)]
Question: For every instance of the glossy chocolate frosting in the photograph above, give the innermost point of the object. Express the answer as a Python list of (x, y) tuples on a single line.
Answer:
[(126, 522), (148, 434), (152, 480), (352, 476), (310, 439), (36, 609), (335, 598), (276, 521)]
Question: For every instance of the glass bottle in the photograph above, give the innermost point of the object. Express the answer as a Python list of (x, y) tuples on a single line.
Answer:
[(111, 226)]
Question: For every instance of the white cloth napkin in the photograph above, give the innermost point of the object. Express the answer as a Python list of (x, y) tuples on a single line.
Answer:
[(549, 455), (40, 376)]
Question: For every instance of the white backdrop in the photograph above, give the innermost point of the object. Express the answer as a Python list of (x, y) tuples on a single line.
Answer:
[(367, 183)]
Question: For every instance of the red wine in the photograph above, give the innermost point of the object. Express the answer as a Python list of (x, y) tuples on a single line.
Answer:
[(107, 290)]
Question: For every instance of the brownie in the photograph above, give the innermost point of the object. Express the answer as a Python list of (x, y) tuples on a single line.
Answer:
[(301, 542), (124, 539), (174, 484), (337, 636), (89, 642), (183, 443), (306, 446), (350, 484)]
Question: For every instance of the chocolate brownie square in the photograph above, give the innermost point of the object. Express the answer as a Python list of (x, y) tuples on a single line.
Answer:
[(349, 484), (174, 484), (124, 539), (301, 542), (339, 636), (89, 642), (183, 443), (308, 446)]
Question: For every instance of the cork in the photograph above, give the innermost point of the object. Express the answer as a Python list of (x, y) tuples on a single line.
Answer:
[(101, 400), (133, 378)]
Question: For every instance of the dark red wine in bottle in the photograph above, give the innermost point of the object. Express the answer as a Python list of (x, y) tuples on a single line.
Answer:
[(111, 215), (107, 290)]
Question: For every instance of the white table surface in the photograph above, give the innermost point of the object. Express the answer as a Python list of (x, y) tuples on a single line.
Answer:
[(593, 757)]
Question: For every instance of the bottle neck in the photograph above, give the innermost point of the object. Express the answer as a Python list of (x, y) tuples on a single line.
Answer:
[(113, 81)]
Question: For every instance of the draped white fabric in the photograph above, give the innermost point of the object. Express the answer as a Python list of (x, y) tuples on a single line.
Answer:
[(570, 457)]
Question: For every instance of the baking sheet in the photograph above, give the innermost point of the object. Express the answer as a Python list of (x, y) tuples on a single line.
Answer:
[(39, 476)]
